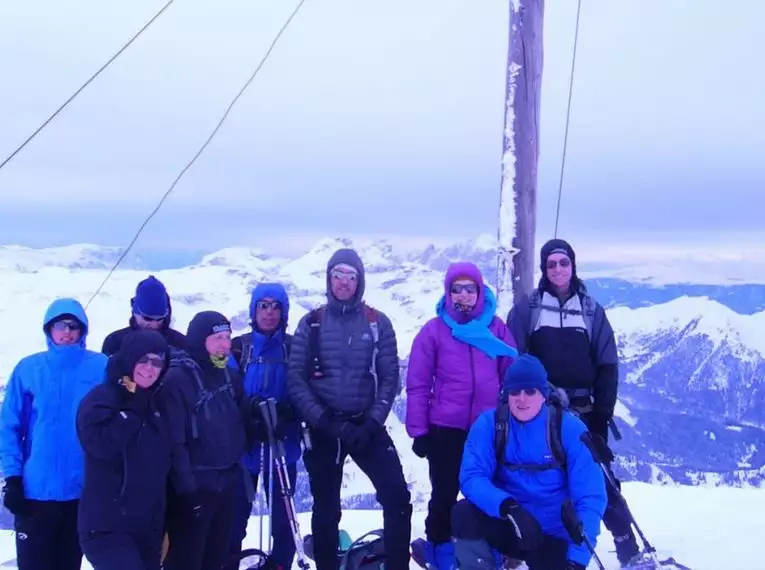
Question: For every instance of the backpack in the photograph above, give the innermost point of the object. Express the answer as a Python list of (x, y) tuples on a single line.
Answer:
[(314, 324), (536, 306), (365, 554), (242, 351), (554, 439), (206, 396)]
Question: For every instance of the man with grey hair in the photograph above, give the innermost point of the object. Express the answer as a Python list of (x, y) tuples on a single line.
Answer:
[(343, 376)]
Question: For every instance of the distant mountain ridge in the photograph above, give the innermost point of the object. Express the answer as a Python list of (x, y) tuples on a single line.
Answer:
[(693, 358)]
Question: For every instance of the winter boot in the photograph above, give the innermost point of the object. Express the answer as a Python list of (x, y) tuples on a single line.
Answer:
[(443, 555), (474, 555), (626, 548)]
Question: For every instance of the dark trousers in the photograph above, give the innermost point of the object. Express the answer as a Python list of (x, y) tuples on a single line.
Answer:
[(476, 534), (444, 461), (616, 518), (47, 538), (283, 551), (122, 551), (380, 462), (202, 543)]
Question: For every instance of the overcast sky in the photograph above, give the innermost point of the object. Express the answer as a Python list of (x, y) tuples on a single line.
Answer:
[(374, 117)]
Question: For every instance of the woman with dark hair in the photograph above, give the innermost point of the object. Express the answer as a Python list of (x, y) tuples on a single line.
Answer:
[(565, 328)]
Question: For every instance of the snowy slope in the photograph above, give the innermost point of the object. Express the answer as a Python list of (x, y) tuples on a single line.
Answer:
[(702, 528)]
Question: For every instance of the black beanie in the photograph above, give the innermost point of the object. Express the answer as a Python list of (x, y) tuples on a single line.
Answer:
[(201, 326), (137, 344), (556, 246)]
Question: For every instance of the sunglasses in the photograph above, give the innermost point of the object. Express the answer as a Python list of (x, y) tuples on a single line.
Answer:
[(151, 319), (342, 276), (268, 305), (563, 262), (61, 326), (155, 361), (527, 391), (471, 288)]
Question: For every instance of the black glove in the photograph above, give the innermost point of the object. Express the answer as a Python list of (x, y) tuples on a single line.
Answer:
[(571, 565), (285, 413), (361, 436), (191, 504), (330, 426), (597, 424), (527, 529), (421, 445), (137, 402), (13, 498)]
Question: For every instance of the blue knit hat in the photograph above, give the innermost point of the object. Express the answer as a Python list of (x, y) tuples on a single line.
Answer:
[(151, 299), (526, 371)]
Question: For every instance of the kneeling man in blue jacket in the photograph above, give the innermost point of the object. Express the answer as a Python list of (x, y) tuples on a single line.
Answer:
[(516, 509)]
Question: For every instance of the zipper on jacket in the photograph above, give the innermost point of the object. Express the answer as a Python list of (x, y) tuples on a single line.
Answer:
[(472, 391)]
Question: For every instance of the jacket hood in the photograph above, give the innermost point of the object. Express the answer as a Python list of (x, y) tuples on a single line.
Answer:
[(464, 270), (204, 324), (136, 345), (349, 257), (66, 306), (275, 291)]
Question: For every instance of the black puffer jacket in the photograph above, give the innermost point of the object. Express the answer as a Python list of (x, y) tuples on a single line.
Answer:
[(206, 408), (346, 347), (126, 442)]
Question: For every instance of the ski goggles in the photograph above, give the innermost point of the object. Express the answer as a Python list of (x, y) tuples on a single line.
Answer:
[(268, 305), (155, 361), (343, 275), (67, 324), (470, 288)]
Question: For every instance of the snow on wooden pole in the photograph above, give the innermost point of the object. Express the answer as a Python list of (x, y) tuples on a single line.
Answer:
[(520, 157)]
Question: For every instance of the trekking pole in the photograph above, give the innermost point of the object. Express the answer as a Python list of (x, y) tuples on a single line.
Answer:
[(270, 501), (575, 530), (268, 410), (261, 485), (603, 455)]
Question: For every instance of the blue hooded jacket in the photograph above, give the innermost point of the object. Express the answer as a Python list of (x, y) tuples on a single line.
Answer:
[(541, 493), (38, 421), (266, 373)]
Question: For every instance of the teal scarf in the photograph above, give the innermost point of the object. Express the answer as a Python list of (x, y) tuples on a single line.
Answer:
[(476, 332)]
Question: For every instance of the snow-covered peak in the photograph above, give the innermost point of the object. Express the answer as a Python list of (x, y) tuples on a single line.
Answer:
[(76, 256)]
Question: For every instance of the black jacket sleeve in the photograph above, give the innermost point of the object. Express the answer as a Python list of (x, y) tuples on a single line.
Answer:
[(177, 412), (110, 345), (387, 367), (302, 397), (518, 321), (606, 359), (103, 426)]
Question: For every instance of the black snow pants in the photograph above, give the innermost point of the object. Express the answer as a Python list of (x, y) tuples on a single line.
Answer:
[(47, 538), (380, 462), (616, 518), (476, 533), (444, 461), (202, 543), (123, 551)]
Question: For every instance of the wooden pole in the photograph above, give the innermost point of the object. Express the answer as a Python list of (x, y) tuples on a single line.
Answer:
[(520, 157)]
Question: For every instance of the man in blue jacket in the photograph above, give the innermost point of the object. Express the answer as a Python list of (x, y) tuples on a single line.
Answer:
[(261, 356), (40, 454), (516, 508)]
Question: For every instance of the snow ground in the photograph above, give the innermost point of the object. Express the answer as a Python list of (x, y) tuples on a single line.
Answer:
[(705, 528)]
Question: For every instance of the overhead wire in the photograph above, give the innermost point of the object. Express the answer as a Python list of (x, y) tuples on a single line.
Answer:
[(84, 85), (198, 153), (568, 117)]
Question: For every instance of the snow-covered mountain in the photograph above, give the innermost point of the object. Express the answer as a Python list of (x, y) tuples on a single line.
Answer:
[(693, 367)]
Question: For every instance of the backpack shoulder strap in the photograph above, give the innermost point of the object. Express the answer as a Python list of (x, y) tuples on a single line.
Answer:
[(555, 425), (501, 425), (287, 346), (535, 308), (314, 323), (371, 315), (588, 313), (242, 351)]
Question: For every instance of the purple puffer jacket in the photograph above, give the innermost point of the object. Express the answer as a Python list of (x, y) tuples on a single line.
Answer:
[(449, 383)]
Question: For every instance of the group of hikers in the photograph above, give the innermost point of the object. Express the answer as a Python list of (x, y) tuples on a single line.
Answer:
[(146, 455)]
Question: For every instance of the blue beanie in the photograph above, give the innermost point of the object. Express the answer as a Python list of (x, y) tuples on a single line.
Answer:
[(151, 299), (526, 371)]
